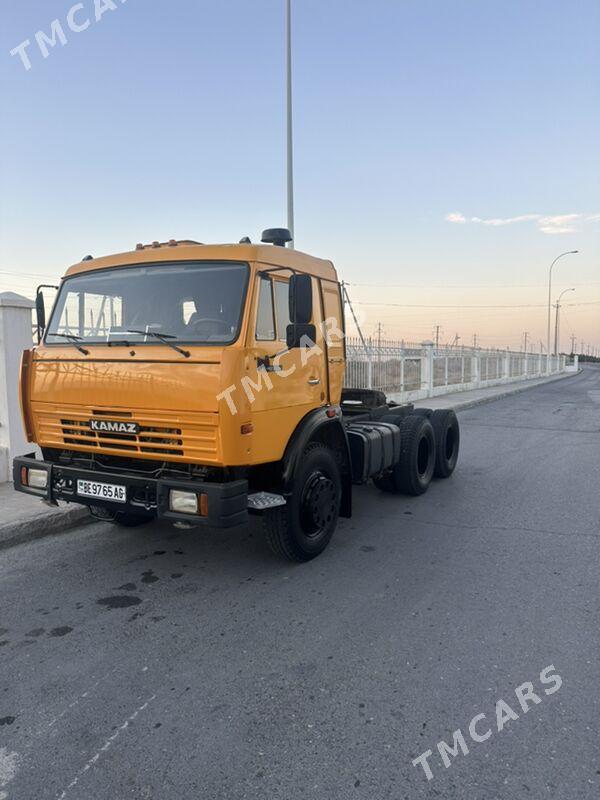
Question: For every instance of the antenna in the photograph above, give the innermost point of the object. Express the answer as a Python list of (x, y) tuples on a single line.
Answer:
[(290, 123), (358, 328)]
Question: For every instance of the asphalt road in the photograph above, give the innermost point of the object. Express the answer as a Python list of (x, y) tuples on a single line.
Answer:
[(161, 664)]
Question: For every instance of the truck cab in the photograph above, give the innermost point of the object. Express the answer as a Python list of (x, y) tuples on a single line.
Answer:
[(195, 383)]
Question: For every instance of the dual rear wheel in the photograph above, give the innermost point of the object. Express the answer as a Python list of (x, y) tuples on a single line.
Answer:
[(430, 443)]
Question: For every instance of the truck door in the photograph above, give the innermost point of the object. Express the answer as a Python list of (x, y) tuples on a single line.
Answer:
[(291, 383), (334, 327)]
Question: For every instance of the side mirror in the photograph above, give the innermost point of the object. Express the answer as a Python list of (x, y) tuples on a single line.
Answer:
[(299, 335), (40, 312), (301, 299), (40, 309)]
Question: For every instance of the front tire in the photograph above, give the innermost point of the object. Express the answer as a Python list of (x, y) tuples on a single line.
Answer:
[(302, 529)]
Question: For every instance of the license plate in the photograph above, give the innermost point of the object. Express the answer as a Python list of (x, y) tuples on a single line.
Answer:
[(102, 491)]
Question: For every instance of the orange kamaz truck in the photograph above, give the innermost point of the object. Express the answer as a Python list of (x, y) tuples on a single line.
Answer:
[(199, 384)]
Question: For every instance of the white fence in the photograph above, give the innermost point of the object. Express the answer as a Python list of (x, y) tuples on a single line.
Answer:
[(409, 371)]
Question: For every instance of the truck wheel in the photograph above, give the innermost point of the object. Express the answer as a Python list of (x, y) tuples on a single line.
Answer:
[(447, 440), (414, 471), (302, 529)]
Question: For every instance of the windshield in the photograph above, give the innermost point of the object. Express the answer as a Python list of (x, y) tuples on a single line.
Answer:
[(192, 302)]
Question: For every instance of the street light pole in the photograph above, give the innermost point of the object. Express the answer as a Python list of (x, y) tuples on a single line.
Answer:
[(290, 123), (568, 253), (556, 335)]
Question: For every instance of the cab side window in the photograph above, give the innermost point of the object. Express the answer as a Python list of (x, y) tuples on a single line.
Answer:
[(282, 308), (265, 317)]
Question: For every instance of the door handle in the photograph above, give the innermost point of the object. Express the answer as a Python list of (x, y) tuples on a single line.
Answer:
[(314, 381)]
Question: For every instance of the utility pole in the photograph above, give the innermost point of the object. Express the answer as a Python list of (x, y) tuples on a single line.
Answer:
[(562, 255), (437, 337), (290, 124), (474, 341), (556, 326), (525, 341), (573, 343), (379, 329)]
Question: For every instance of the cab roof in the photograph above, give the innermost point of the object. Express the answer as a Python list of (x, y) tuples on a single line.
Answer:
[(157, 253)]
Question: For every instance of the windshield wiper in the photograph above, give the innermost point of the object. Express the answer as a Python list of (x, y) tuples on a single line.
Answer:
[(74, 340), (165, 338)]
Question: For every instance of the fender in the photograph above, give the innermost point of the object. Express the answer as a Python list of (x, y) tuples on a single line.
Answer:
[(318, 426)]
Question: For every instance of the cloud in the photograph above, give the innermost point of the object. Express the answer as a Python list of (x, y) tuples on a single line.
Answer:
[(498, 221), (457, 217), (561, 223), (551, 225)]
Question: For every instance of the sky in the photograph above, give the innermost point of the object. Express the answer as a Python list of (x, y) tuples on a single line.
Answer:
[(446, 151)]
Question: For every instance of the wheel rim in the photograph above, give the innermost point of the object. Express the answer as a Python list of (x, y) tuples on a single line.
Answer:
[(318, 504)]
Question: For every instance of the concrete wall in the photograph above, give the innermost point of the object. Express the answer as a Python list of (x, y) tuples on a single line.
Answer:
[(15, 336)]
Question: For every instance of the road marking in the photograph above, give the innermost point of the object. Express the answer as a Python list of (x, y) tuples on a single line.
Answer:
[(83, 696), (106, 746), (80, 698), (9, 765)]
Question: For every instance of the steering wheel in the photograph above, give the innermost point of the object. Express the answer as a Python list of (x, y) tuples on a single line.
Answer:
[(226, 326)]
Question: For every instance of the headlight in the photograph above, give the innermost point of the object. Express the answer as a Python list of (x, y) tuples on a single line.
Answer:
[(183, 502), (188, 502), (37, 478)]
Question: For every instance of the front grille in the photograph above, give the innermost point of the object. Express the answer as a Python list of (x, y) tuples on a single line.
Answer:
[(164, 441), (176, 435)]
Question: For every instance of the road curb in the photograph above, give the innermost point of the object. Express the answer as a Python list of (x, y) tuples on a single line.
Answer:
[(480, 401), (47, 522)]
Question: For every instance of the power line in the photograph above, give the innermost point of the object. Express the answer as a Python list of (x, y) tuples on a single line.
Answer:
[(462, 285), (462, 305), (25, 274)]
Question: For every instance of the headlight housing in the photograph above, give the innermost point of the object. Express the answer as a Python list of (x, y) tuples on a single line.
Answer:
[(37, 478)]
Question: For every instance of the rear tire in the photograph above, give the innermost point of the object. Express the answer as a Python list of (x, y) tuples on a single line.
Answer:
[(414, 471), (302, 529), (447, 440)]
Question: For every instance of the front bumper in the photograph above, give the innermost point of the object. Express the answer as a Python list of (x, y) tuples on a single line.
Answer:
[(227, 502)]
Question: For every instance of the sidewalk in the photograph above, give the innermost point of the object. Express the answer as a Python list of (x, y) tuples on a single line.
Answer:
[(23, 518), (460, 401)]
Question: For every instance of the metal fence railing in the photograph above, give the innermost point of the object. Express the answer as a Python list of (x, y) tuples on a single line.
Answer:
[(414, 371)]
